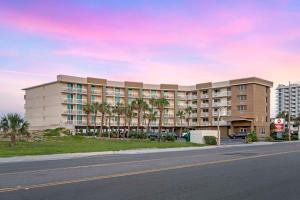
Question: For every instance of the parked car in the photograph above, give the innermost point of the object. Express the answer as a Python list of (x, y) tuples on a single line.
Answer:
[(241, 135)]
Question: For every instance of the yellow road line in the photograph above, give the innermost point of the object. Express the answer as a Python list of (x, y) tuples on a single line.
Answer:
[(26, 187)]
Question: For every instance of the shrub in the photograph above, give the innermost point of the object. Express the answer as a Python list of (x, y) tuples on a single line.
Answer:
[(248, 140), (169, 137), (285, 137), (270, 139), (210, 140), (137, 135), (294, 137), (252, 136), (52, 132)]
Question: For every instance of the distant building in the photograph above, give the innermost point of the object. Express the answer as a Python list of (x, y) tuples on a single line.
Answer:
[(284, 96), (245, 103)]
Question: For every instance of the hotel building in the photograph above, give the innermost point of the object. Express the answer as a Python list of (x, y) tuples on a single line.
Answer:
[(285, 95), (244, 103)]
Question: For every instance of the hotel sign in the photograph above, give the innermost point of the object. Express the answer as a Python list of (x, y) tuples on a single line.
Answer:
[(279, 125)]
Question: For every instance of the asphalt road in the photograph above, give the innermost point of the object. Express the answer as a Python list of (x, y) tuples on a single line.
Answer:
[(255, 172)]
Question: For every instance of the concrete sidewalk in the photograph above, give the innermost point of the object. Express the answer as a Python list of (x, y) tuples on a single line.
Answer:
[(136, 151)]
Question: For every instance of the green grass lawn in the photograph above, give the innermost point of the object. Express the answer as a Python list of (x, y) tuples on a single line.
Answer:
[(73, 144)]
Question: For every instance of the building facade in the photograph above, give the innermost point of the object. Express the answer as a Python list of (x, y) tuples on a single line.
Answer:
[(244, 104), (288, 96)]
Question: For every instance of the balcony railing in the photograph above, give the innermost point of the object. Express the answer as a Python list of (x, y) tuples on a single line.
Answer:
[(204, 96), (204, 105), (221, 94), (204, 114), (169, 115), (75, 101), (204, 124), (219, 104), (221, 123), (95, 92), (191, 97), (74, 90), (181, 96), (192, 105)]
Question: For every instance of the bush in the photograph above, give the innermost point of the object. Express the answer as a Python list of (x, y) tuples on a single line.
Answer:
[(294, 137), (210, 140), (285, 137), (137, 135), (57, 132), (248, 140), (169, 137), (270, 139), (252, 136)]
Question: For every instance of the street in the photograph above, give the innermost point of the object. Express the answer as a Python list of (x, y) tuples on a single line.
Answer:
[(237, 172)]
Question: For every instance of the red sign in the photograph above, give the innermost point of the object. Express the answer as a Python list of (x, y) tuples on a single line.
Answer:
[(279, 125)]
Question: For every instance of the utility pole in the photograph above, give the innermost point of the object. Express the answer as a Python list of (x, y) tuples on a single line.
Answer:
[(289, 117)]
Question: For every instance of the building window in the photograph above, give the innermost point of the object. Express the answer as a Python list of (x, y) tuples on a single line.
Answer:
[(204, 92), (69, 85), (242, 97), (70, 107), (242, 108), (205, 110), (205, 101), (79, 106), (205, 119), (242, 87), (118, 100), (70, 117), (217, 100)]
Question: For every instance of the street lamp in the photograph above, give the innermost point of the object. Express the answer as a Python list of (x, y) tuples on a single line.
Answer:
[(218, 124)]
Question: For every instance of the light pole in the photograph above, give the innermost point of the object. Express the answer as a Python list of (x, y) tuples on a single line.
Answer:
[(218, 124)]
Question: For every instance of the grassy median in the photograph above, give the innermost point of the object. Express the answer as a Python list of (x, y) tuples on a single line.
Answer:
[(75, 144)]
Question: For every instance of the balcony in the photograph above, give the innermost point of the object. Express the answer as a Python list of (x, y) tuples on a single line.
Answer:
[(204, 124), (133, 95), (181, 106), (110, 93), (221, 94), (204, 96), (95, 92), (192, 105), (221, 123), (75, 122), (219, 104), (191, 97), (194, 115), (119, 94), (204, 105), (146, 95), (183, 97), (204, 114), (74, 90), (169, 115), (74, 101)]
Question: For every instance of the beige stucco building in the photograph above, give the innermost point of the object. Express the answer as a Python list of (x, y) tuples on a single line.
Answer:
[(244, 103)]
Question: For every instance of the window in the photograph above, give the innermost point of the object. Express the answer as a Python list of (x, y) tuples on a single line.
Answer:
[(205, 110), (79, 106), (93, 98), (262, 131), (79, 118), (243, 130), (242, 108), (70, 117), (242, 97), (118, 100), (217, 100), (70, 107), (205, 101), (79, 96), (70, 96), (204, 92), (79, 86), (242, 87), (205, 119), (69, 85)]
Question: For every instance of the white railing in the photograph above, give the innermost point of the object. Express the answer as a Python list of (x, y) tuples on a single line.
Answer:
[(169, 115), (191, 97), (221, 94), (221, 123), (204, 105), (95, 92), (204, 124), (75, 101), (219, 104), (181, 97), (133, 95), (204, 96), (74, 90), (204, 114), (110, 93), (192, 105), (119, 94)]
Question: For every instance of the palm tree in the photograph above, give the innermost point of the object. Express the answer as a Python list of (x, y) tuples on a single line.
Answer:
[(297, 123), (87, 109), (188, 111), (152, 102), (103, 109), (150, 116), (139, 104), (4, 124), (109, 116), (118, 110), (284, 115), (16, 124), (95, 108), (181, 115), (161, 103), (129, 112)]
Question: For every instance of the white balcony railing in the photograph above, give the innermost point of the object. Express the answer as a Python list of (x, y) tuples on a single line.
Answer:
[(95, 92), (219, 104), (74, 90), (204, 105), (192, 105), (204, 96), (221, 123), (204, 124), (221, 94), (204, 114), (191, 97), (75, 101)]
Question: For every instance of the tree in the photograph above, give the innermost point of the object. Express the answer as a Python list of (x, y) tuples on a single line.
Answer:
[(150, 116), (181, 115), (95, 108), (4, 126), (297, 123), (139, 105), (103, 109), (14, 124), (284, 115), (109, 116), (161, 103), (129, 112), (87, 109), (188, 111), (118, 110), (152, 102)]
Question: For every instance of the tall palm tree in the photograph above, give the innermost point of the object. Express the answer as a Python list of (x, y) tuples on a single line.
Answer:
[(161, 103), (87, 109), (129, 112), (4, 125), (181, 115), (103, 109), (16, 124), (139, 105), (95, 108), (188, 111), (150, 116), (118, 110), (109, 116)]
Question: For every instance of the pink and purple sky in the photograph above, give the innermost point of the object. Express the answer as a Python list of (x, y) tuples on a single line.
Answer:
[(169, 41)]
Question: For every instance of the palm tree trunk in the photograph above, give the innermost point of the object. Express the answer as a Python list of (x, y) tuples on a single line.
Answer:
[(87, 122), (181, 127), (95, 123), (160, 124), (118, 126), (13, 139), (139, 120), (148, 125), (102, 123), (109, 127)]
